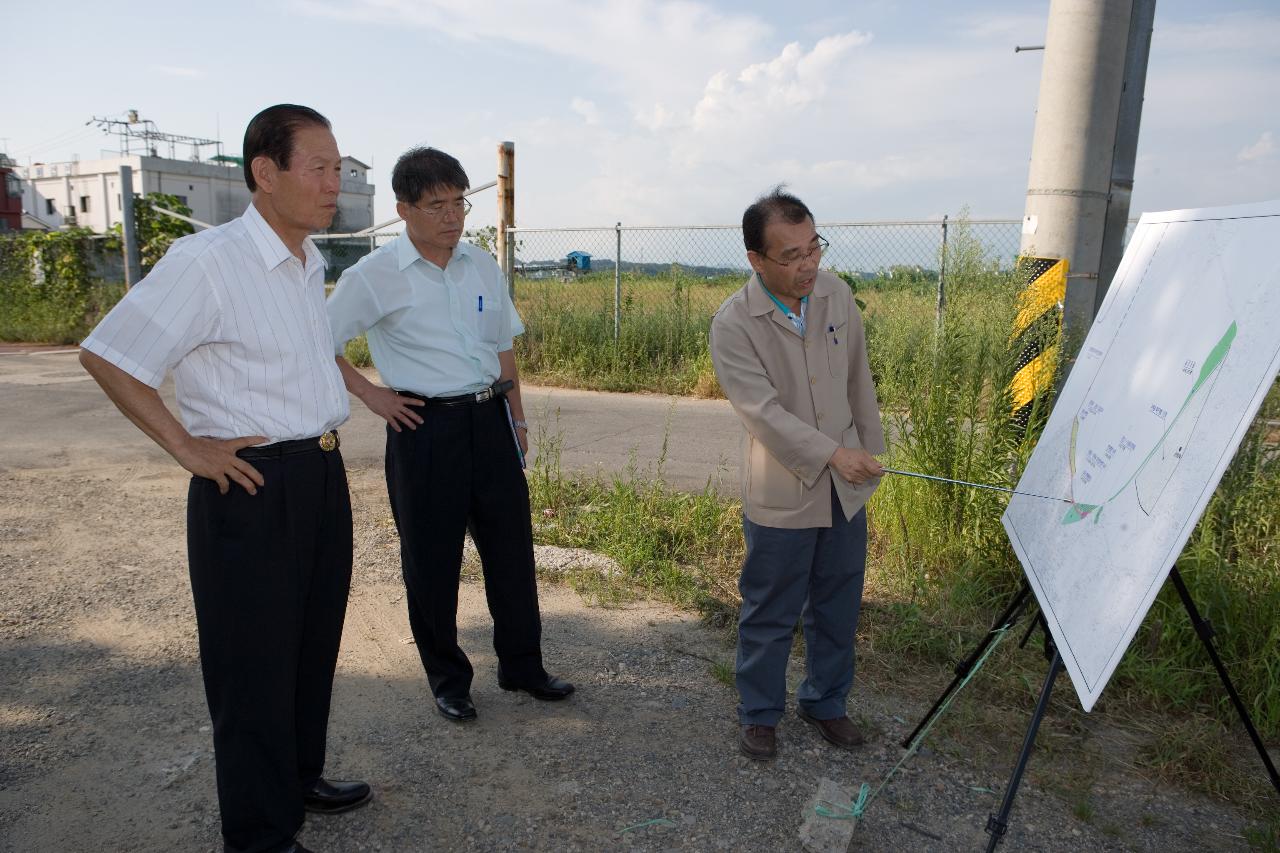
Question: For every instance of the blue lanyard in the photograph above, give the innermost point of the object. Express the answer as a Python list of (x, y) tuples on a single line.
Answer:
[(796, 320)]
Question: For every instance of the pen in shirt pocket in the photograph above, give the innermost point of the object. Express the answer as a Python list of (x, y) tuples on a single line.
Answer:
[(480, 303), (832, 330)]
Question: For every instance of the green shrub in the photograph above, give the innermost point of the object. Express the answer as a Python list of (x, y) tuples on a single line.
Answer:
[(156, 231), (357, 352), (48, 292)]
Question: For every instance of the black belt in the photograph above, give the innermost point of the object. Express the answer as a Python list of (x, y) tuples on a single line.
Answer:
[(493, 392), (325, 443)]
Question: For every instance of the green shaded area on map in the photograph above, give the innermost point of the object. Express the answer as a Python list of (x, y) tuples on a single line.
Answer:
[(1080, 511)]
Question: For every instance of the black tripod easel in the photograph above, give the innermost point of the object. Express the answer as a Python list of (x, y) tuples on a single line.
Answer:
[(998, 824), (1204, 630)]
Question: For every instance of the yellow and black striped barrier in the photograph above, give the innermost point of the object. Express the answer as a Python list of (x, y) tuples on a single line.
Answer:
[(1036, 332)]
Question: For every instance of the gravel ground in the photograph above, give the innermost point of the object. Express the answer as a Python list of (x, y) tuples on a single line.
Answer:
[(105, 744)]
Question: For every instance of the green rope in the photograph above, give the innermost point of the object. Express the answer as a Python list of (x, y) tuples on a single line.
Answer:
[(657, 821), (839, 812), (858, 808)]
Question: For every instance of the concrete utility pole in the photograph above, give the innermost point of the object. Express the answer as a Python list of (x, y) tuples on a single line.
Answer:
[(1085, 143), (129, 229), (507, 211), (1126, 149)]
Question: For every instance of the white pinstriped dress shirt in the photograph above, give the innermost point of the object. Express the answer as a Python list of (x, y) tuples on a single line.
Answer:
[(241, 324)]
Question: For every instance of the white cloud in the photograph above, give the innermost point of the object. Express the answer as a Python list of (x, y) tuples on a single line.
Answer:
[(1261, 150), (655, 117), (587, 109), (651, 48), (681, 111), (789, 82), (798, 115)]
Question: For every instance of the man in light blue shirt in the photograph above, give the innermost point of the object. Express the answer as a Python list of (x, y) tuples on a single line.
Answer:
[(440, 325)]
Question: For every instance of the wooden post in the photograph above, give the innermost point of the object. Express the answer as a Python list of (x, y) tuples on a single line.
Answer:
[(507, 211)]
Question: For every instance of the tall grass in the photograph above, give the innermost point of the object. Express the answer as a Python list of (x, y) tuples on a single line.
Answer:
[(663, 323), (683, 547), (662, 331), (944, 399), (1231, 565)]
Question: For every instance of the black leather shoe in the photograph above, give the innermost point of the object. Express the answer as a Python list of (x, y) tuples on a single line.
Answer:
[(457, 709), (327, 797), (549, 689), (291, 847)]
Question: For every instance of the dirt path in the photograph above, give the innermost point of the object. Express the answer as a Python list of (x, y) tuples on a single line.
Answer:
[(105, 744)]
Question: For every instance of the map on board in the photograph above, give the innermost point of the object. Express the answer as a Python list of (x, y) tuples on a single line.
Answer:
[(1174, 368)]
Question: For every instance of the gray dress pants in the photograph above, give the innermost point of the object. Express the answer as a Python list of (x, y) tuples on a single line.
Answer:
[(813, 574)]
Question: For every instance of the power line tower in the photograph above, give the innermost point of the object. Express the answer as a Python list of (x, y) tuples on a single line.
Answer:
[(145, 132)]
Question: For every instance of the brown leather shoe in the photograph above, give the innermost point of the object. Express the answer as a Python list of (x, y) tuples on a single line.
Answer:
[(839, 731), (758, 742)]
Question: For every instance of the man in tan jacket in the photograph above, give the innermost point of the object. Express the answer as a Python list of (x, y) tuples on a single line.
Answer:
[(789, 351)]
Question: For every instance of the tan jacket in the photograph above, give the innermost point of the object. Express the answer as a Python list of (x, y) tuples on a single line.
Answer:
[(799, 399)]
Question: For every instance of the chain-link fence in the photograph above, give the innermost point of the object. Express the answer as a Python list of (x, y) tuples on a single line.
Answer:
[(651, 291), (623, 274), (641, 298), (624, 307), (342, 253)]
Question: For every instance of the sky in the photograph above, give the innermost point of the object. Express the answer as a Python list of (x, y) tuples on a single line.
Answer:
[(657, 112)]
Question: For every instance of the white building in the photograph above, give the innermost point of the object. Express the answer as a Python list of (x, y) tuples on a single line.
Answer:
[(88, 191)]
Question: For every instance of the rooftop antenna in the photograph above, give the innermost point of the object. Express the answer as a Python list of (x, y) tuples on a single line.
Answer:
[(145, 131)]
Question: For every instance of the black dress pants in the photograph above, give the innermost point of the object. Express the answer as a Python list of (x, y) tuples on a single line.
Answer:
[(460, 470), (270, 574)]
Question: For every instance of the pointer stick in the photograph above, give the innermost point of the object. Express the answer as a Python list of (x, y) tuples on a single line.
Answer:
[(975, 485)]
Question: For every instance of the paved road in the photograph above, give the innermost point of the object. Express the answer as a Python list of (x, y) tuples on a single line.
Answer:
[(49, 407)]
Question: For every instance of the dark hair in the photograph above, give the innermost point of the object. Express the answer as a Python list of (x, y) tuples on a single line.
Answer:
[(270, 135), (421, 170), (775, 204)]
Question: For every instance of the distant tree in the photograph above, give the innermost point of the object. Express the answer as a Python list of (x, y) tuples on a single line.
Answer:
[(486, 238)]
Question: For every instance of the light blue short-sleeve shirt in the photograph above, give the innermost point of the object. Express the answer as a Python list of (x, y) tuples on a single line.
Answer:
[(435, 332)]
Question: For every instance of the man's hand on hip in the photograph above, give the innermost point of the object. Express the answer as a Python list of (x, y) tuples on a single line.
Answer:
[(855, 465), (393, 408), (216, 460)]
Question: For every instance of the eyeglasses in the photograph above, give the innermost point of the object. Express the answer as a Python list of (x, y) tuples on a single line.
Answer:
[(459, 208), (795, 256)]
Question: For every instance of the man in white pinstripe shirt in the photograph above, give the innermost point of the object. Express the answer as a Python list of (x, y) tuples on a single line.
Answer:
[(236, 314)]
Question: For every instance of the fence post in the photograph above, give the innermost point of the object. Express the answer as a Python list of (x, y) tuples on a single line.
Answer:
[(617, 284), (507, 212), (942, 275), (129, 229)]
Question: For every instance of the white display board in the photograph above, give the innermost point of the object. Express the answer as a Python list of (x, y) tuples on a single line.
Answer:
[(1179, 358)]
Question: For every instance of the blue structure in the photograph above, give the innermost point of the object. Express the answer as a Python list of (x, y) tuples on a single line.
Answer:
[(579, 260)]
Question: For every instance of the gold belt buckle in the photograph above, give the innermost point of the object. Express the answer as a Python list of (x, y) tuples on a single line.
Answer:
[(328, 441)]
